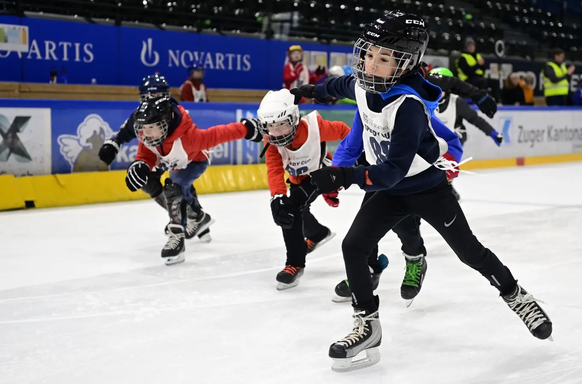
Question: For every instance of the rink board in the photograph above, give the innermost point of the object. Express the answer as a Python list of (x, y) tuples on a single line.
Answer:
[(104, 187)]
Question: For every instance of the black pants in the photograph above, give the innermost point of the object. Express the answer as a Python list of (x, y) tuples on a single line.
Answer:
[(304, 224), (556, 100), (438, 207), (408, 231)]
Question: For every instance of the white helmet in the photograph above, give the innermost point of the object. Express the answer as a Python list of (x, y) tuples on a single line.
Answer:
[(336, 71), (279, 117)]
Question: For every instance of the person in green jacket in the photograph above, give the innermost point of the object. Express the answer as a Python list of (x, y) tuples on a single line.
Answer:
[(557, 79)]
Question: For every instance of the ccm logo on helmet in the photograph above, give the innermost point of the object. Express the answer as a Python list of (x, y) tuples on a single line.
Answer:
[(417, 22), (373, 34)]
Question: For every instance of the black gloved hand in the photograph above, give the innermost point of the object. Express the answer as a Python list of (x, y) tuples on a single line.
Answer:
[(306, 90), (485, 102), (108, 151), (254, 126), (330, 179), (137, 175), (320, 70), (282, 211)]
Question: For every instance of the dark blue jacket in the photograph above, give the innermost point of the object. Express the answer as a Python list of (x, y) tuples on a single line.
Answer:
[(411, 135)]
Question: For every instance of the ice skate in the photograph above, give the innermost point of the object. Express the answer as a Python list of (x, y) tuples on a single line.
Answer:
[(313, 245), (412, 283), (365, 337), (197, 223), (289, 277), (343, 293), (529, 311), (173, 251), (205, 237)]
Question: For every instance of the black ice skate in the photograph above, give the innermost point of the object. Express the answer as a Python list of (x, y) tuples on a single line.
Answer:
[(366, 336), (204, 236), (197, 228), (313, 245), (342, 290), (289, 277), (529, 311), (413, 278), (197, 223), (173, 251)]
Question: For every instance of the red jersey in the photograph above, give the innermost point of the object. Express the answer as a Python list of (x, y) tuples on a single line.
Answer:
[(187, 142)]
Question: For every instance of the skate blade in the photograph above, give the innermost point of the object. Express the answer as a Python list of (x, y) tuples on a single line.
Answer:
[(349, 364), (283, 286), (551, 339), (339, 299), (408, 302), (331, 236), (204, 227), (175, 260), (206, 238)]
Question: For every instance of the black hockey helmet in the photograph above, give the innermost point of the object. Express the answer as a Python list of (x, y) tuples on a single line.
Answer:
[(153, 85), (402, 37), (152, 119)]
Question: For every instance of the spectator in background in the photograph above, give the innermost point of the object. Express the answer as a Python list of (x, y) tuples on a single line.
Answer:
[(528, 91), (194, 89), (295, 74), (556, 79), (471, 68), (512, 93), (318, 76)]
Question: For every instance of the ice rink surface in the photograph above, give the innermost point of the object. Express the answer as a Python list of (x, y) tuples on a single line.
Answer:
[(86, 298)]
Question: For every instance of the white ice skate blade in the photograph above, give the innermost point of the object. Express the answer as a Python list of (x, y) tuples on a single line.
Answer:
[(551, 339), (349, 364), (339, 299), (175, 259), (331, 236), (205, 227), (408, 303), (283, 286), (206, 238)]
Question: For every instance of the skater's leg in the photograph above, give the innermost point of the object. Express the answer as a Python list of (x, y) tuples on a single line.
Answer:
[(443, 212), (408, 231), (440, 209), (198, 221), (375, 218)]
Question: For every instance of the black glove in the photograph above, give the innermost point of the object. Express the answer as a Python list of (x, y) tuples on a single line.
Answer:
[(306, 90), (485, 102), (108, 151), (282, 211), (254, 126), (330, 179), (137, 175), (320, 70)]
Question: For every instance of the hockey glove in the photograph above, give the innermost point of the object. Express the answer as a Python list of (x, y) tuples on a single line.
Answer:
[(108, 151), (451, 173), (254, 129), (331, 179), (497, 137), (331, 199), (485, 102), (306, 90), (137, 175), (282, 211)]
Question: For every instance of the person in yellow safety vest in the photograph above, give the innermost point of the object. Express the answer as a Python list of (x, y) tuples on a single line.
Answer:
[(556, 79), (471, 68)]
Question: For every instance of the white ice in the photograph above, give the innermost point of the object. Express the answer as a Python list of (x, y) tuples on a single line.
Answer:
[(85, 296)]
